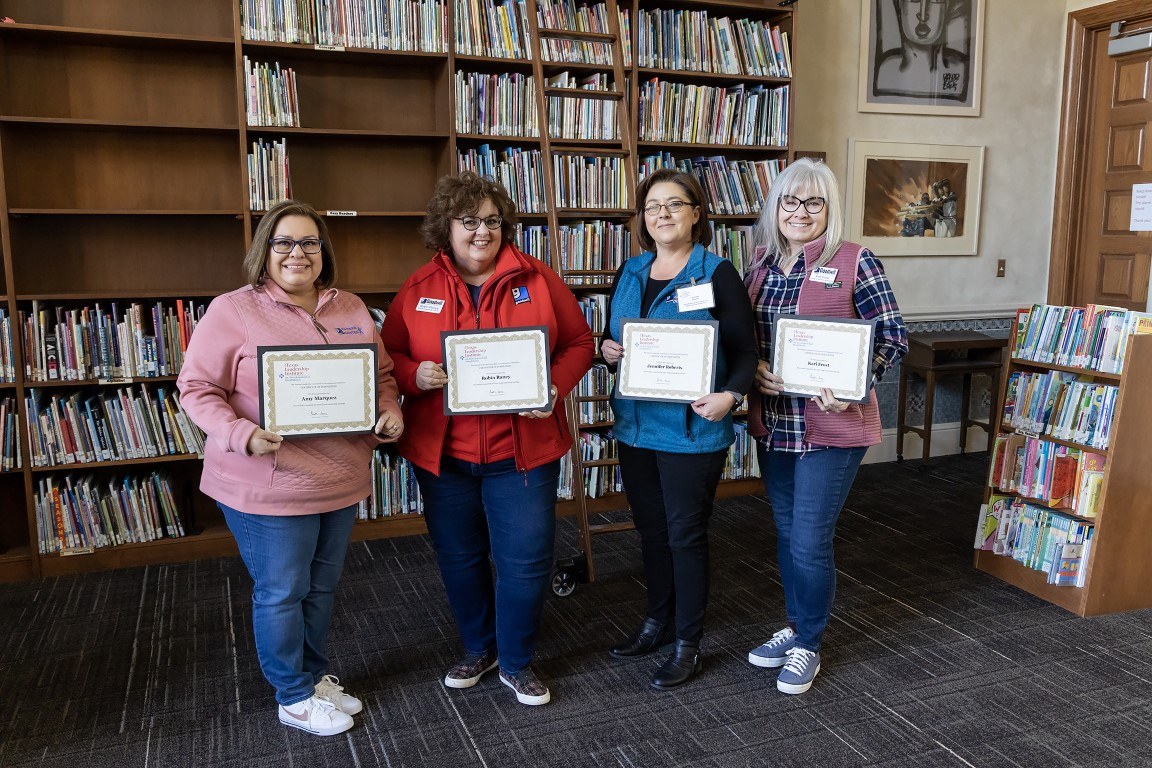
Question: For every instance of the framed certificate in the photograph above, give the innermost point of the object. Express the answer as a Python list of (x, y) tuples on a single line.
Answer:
[(670, 361), (317, 389), (811, 353), (497, 371)]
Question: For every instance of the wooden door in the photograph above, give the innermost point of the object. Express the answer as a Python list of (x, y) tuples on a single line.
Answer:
[(1106, 147)]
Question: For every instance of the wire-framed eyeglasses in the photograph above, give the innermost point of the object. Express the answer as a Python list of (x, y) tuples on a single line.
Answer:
[(472, 223), (811, 204), (653, 209), (310, 245)]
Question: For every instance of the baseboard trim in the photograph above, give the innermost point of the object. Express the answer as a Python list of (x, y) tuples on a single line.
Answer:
[(945, 442)]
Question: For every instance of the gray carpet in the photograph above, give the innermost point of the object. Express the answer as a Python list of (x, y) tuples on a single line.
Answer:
[(926, 663)]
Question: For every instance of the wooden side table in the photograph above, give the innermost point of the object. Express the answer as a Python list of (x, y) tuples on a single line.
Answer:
[(933, 355)]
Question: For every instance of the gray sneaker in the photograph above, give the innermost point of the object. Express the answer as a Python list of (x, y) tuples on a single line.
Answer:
[(468, 671), (529, 688), (774, 653), (799, 671)]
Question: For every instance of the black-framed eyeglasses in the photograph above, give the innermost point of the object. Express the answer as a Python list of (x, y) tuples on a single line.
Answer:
[(310, 245), (811, 204), (472, 223), (653, 209)]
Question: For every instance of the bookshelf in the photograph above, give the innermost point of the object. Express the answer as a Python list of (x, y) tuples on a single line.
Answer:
[(1117, 571), (124, 143)]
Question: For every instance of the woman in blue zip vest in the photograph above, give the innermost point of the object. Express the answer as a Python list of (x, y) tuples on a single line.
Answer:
[(672, 453)]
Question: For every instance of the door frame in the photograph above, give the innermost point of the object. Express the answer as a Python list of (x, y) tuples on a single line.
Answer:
[(1073, 150)]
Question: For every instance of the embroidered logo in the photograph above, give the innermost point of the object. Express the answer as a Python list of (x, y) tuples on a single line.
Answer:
[(836, 284), (520, 295), (350, 330)]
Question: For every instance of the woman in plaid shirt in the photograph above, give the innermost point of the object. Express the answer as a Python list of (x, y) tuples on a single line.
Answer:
[(809, 448)]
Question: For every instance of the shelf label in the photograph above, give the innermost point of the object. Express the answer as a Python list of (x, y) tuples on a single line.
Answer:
[(115, 380), (67, 551), (340, 213), (322, 47)]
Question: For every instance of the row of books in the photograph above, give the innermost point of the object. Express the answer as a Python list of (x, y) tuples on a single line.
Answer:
[(741, 463), (1093, 337), (1036, 537), (393, 25), (1059, 475), (595, 181), (593, 245), (113, 425), (491, 28), (517, 170), (744, 115), (394, 489), (496, 104), (736, 243), (583, 118), (581, 17), (533, 240), (268, 176), (595, 307), (271, 94), (1062, 405), (89, 512), (600, 480), (7, 357), (10, 457), (91, 342), (694, 41), (732, 186)]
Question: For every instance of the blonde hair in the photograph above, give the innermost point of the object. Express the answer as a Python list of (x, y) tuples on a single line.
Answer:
[(814, 178)]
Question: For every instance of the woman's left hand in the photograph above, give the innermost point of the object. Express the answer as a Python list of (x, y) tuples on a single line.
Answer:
[(828, 403), (542, 414), (714, 406), (390, 426)]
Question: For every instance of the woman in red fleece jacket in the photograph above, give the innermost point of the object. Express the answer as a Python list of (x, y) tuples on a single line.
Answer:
[(488, 481), (290, 504)]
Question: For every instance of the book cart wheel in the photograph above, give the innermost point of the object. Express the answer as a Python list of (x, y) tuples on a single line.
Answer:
[(567, 574)]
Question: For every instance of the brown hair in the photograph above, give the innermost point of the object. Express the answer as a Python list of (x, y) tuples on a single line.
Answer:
[(462, 195), (258, 254), (701, 232)]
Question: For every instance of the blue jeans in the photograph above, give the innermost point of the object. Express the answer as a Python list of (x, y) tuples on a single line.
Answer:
[(295, 562), (807, 491), (475, 511)]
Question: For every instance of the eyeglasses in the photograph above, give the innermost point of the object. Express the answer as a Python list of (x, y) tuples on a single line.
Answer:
[(653, 209), (310, 245), (472, 223), (811, 204)]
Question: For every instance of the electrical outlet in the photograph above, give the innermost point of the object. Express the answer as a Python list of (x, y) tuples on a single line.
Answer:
[(1000, 267)]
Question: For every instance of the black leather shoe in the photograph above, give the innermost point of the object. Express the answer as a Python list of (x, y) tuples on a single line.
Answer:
[(680, 667), (651, 636)]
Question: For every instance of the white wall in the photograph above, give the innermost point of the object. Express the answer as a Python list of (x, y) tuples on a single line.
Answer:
[(1018, 125)]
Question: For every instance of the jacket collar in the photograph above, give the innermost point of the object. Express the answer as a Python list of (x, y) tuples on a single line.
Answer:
[(280, 296), (509, 261), (693, 268)]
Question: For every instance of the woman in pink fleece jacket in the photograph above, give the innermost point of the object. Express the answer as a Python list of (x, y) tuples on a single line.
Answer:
[(290, 504)]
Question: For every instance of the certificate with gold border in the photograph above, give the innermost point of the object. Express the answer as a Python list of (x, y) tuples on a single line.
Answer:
[(668, 361), (813, 353), (497, 371), (321, 389)]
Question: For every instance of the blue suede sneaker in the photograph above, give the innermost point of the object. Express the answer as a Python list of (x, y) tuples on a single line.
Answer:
[(774, 653), (799, 671)]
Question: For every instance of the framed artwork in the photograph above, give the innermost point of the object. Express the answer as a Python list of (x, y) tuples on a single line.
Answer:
[(921, 56), (914, 199)]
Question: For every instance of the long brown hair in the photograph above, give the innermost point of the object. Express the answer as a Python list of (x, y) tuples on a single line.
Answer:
[(257, 255)]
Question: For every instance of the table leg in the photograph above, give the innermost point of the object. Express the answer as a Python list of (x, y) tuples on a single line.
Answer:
[(929, 403), (901, 412), (965, 404)]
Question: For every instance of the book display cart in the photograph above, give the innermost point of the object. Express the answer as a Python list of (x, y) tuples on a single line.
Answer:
[(1111, 571), (140, 143)]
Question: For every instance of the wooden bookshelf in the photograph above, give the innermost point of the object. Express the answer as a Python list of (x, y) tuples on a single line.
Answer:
[(124, 139), (1118, 570)]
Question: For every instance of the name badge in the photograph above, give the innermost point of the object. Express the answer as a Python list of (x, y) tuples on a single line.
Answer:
[(435, 306), (692, 297), (826, 275)]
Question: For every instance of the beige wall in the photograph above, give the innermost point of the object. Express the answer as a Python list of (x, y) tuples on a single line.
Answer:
[(1018, 126)]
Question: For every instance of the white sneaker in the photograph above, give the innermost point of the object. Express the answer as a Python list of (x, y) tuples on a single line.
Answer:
[(316, 716), (329, 688)]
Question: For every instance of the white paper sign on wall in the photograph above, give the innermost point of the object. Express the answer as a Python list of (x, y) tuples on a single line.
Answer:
[(1141, 208)]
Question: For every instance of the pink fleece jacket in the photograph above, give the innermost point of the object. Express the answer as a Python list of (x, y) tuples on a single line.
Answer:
[(219, 389)]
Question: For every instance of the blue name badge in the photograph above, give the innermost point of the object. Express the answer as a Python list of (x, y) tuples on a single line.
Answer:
[(520, 295)]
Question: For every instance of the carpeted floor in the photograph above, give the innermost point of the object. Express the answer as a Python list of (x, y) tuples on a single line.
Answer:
[(926, 662)]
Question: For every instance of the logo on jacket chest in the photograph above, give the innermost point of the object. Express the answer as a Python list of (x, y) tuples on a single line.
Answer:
[(520, 295), (350, 330)]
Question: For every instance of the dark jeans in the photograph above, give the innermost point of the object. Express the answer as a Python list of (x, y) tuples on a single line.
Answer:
[(671, 495), (475, 511), (807, 491), (295, 562)]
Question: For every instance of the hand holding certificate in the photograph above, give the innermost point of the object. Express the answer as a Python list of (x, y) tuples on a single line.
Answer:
[(504, 371), (815, 353), (669, 361)]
